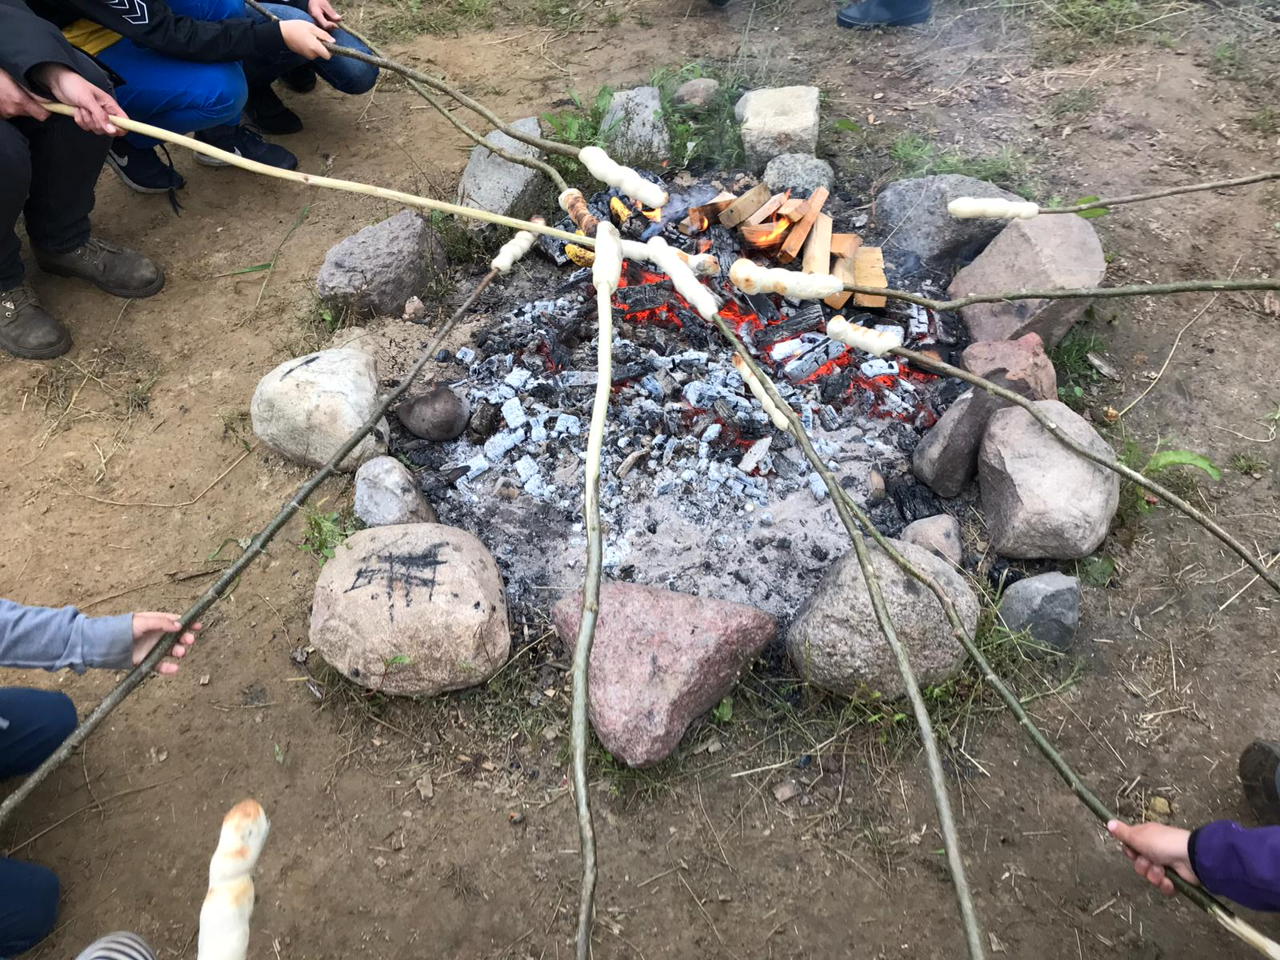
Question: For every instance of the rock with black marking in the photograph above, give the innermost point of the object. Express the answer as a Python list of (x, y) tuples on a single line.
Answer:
[(307, 407), (412, 609)]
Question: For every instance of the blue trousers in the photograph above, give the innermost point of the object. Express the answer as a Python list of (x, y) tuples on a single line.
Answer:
[(32, 724), (182, 95)]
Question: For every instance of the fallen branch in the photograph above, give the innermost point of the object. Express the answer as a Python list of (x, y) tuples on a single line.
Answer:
[(1167, 192), (605, 274), (255, 549), (933, 758), (924, 361), (531, 162), (1136, 290)]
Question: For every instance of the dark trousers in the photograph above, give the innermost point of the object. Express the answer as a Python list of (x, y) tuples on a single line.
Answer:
[(32, 724), (48, 169)]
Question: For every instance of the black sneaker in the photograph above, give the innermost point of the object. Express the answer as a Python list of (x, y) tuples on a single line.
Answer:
[(301, 79), (268, 113), (142, 169), (885, 13), (1260, 777), (244, 142)]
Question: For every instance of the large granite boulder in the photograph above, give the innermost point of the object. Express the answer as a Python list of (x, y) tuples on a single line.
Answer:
[(376, 271)]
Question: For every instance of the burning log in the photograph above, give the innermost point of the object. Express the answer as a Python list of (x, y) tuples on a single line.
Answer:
[(765, 237), (794, 208), (768, 210), (800, 232), (868, 271), (745, 205), (699, 217), (817, 251)]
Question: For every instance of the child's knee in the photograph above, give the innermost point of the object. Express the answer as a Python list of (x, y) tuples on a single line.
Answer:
[(31, 911), (351, 76), (62, 719), (222, 94)]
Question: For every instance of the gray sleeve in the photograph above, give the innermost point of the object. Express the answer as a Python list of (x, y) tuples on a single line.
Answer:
[(44, 638)]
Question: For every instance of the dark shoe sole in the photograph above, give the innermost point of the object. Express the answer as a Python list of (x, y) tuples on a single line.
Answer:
[(871, 25), (1258, 769), (292, 123), (137, 187), (48, 353), (148, 291)]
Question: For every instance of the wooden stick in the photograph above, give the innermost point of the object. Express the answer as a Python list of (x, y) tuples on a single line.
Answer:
[(1168, 192), (817, 250), (745, 205), (800, 232)]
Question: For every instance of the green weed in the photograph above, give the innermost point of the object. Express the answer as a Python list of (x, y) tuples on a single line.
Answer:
[(1074, 104), (704, 137), (912, 155), (1169, 467), (1077, 377), (325, 532), (1264, 121), (1249, 464), (1227, 60)]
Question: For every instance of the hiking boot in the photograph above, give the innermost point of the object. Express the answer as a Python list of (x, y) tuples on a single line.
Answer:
[(885, 13), (26, 330), (1260, 777), (244, 142), (301, 79), (141, 168), (120, 272), (268, 113)]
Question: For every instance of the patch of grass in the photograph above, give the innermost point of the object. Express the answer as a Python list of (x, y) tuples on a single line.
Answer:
[(1074, 104), (1066, 30), (236, 426), (1180, 471), (565, 14), (580, 122), (410, 18), (702, 137), (1227, 60), (325, 532), (1264, 121), (912, 155), (1247, 463), (1076, 375)]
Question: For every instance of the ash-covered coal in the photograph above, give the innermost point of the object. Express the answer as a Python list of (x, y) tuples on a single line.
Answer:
[(698, 491)]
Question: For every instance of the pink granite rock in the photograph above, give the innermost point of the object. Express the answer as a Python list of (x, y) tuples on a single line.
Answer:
[(660, 659), (1021, 365)]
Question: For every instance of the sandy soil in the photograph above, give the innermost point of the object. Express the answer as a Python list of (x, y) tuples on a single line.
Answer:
[(122, 482)]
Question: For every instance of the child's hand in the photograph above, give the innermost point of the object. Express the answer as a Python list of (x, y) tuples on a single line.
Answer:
[(306, 39), (94, 107), (148, 628), (1153, 848), (322, 12)]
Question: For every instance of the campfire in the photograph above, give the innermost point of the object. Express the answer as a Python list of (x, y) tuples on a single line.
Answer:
[(688, 448)]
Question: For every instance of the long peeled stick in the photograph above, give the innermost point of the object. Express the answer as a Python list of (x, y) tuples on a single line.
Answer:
[(228, 905), (927, 362), (259, 543), (933, 758), (605, 273)]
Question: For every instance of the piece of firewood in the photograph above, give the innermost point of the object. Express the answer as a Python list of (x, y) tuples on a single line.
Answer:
[(745, 205), (817, 249), (800, 232), (794, 208), (764, 237), (700, 217), (868, 271), (844, 244), (844, 270), (768, 210)]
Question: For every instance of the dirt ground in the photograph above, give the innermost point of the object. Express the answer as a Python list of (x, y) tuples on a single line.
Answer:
[(127, 482)]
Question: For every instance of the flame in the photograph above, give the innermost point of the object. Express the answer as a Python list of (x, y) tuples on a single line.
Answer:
[(621, 212), (779, 227), (654, 215)]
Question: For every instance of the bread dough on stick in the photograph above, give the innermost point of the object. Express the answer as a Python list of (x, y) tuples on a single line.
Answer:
[(604, 168), (749, 278), (606, 269), (875, 342), (514, 250), (224, 917), (668, 260), (992, 208)]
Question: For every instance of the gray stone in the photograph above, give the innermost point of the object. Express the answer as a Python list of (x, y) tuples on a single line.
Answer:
[(946, 458), (798, 171), (1046, 606), (500, 186), (374, 272), (698, 92), (415, 609), (634, 128), (836, 644), (777, 120), (1020, 365), (386, 494), (939, 535), (1044, 253), (1039, 498), (912, 215), (438, 414), (307, 407)]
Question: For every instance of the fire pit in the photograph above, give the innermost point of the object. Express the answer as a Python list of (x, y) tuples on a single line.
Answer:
[(700, 493)]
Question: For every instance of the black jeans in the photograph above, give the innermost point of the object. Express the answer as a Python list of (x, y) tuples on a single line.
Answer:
[(48, 169), (32, 725)]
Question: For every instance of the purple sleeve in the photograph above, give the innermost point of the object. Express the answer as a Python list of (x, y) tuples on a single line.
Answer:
[(1238, 863)]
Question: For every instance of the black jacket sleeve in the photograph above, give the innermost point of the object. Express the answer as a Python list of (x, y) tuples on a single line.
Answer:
[(26, 42), (152, 24)]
